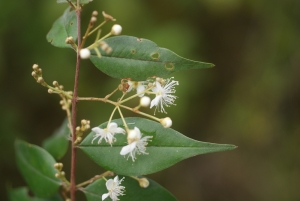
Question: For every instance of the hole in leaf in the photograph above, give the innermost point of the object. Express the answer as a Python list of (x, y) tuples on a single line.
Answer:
[(139, 39), (169, 66), (133, 51), (155, 56)]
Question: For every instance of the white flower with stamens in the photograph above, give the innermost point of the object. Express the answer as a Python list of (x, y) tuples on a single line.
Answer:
[(114, 189), (164, 95), (139, 86), (136, 144), (107, 133)]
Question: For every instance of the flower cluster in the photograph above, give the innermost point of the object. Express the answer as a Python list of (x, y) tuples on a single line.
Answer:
[(136, 143), (163, 89)]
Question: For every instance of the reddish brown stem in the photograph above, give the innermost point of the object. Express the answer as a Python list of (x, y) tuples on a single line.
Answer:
[(74, 109)]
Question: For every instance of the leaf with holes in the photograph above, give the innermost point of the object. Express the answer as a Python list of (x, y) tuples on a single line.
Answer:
[(36, 166), (133, 191), (63, 27), (166, 148), (57, 144), (73, 1), (21, 194), (139, 58)]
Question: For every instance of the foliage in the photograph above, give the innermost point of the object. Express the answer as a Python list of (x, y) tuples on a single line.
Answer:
[(151, 146)]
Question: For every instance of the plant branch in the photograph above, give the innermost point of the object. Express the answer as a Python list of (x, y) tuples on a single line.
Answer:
[(107, 173), (74, 106)]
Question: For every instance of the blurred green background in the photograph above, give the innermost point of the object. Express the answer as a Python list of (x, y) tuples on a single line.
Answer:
[(250, 99)]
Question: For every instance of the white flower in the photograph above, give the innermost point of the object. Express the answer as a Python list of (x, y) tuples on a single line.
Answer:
[(107, 133), (164, 95), (114, 189), (85, 53), (137, 144), (139, 86)]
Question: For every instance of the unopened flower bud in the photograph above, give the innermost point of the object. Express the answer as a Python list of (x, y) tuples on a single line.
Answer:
[(50, 91), (35, 66), (132, 135), (57, 175), (166, 122), (116, 29), (33, 74), (58, 166), (61, 87), (40, 80), (85, 53), (62, 173), (70, 40), (145, 101), (93, 20), (107, 17), (144, 183), (83, 122), (55, 83), (95, 13)]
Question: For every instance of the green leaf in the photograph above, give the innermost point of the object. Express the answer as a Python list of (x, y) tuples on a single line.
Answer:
[(139, 58), (21, 194), (36, 166), (81, 1), (57, 144), (63, 27), (167, 148), (133, 192)]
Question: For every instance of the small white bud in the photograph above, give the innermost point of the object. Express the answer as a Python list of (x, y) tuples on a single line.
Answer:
[(55, 83), (35, 66), (116, 29), (144, 183), (85, 53), (95, 13), (132, 135), (93, 20), (145, 101), (166, 122)]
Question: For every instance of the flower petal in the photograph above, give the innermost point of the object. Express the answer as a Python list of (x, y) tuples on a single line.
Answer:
[(105, 195), (97, 130), (128, 148), (155, 101), (140, 89), (112, 125), (109, 184)]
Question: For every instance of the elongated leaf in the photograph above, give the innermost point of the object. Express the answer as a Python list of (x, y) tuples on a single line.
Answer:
[(57, 144), (133, 192), (63, 27), (139, 58), (167, 148), (36, 166), (21, 194), (81, 1)]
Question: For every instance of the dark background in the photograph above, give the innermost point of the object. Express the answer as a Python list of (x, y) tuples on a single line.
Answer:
[(250, 99)]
